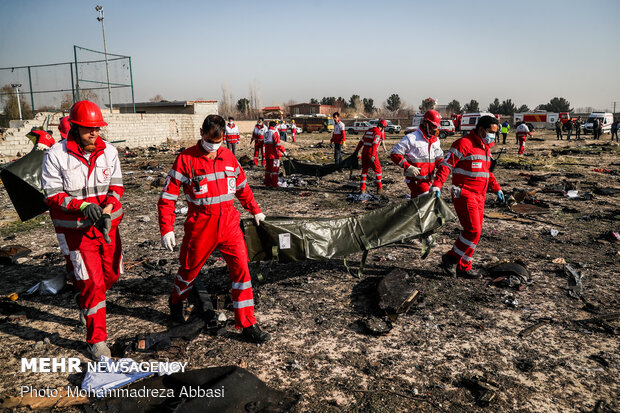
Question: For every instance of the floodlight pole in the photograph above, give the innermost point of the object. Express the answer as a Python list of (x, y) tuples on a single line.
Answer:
[(105, 50), (19, 105)]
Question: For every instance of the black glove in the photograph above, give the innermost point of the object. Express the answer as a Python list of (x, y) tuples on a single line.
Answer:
[(104, 224), (92, 212)]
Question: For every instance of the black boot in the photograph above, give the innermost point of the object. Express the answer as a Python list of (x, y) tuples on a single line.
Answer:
[(471, 274), (448, 264), (177, 311), (254, 334)]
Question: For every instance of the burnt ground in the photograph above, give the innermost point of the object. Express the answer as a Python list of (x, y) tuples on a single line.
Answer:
[(458, 329)]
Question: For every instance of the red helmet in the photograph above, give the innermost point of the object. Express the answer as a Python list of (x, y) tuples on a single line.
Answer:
[(433, 117), (86, 113), (382, 123), (64, 127)]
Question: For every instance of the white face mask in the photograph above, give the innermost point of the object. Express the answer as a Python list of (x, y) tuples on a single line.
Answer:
[(210, 147)]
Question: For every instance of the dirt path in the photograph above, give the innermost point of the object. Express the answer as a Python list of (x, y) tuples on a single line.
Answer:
[(458, 329)]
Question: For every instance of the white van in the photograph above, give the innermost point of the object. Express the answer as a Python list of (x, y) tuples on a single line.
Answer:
[(605, 118), (468, 123)]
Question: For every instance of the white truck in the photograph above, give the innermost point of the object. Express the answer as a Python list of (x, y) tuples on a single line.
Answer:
[(605, 118), (541, 119), (358, 127), (469, 120)]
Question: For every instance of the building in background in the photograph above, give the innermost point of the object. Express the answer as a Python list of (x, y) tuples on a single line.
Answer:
[(189, 107)]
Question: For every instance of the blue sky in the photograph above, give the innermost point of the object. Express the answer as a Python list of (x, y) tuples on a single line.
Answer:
[(529, 51)]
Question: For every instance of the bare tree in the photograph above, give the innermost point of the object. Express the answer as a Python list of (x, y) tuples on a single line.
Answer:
[(255, 99), (226, 104), (157, 98)]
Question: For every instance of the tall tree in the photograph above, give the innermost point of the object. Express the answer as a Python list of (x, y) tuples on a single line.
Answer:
[(329, 100), (340, 103), (494, 107), (393, 103), (472, 106), (243, 105), (453, 107), (427, 104), (557, 105), (369, 106), (507, 107), (522, 108), (314, 101), (355, 103)]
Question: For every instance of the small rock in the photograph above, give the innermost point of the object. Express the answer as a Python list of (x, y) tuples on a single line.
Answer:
[(46, 340), (429, 317), (222, 318), (37, 345), (415, 392), (144, 218), (295, 365)]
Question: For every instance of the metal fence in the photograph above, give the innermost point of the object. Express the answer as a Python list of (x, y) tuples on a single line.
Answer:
[(56, 86)]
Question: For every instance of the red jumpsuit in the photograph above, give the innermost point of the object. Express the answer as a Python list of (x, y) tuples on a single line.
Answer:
[(210, 188), (415, 149), (370, 154), (273, 150), (293, 131), (259, 142), (71, 177), (522, 133), (469, 160)]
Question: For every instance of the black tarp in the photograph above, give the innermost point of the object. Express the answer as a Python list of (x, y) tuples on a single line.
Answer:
[(298, 239), (22, 180), (293, 166), (240, 390)]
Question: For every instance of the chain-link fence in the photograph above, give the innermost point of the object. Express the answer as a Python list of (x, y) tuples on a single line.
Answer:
[(56, 86)]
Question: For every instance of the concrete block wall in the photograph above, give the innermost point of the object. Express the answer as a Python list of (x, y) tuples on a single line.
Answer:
[(135, 129)]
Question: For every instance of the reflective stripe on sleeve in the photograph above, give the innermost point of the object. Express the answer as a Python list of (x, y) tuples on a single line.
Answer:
[(456, 153), (171, 197), (242, 184), (178, 176)]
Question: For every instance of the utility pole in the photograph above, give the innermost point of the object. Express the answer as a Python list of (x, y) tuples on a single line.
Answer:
[(19, 105), (105, 50)]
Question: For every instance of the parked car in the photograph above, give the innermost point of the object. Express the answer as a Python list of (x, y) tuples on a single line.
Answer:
[(390, 128), (358, 127)]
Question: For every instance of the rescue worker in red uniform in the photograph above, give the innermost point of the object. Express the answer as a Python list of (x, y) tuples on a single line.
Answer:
[(64, 126), (211, 179), (339, 138), (273, 152), (469, 159), (522, 133), (293, 129), (232, 135), (83, 185), (370, 153), (419, 153), (258, 137)]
